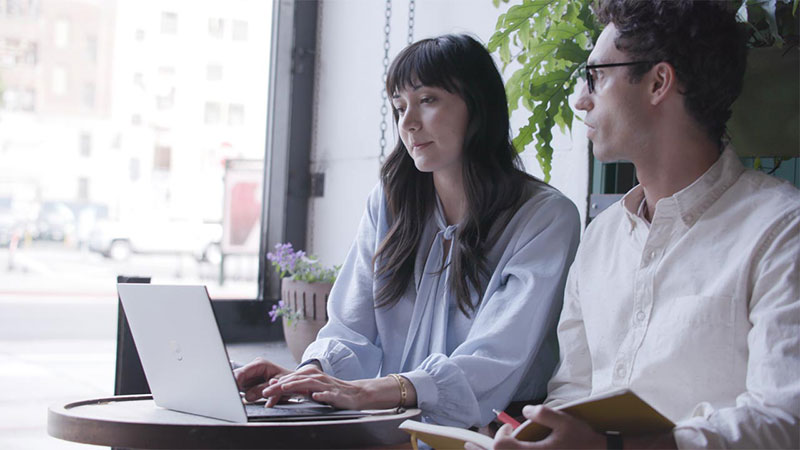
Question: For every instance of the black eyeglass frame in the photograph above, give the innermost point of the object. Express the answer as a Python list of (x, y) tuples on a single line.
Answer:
[(589, 67)]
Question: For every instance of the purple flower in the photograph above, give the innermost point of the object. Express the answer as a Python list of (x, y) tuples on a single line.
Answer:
[(274, 313), (298, 266)]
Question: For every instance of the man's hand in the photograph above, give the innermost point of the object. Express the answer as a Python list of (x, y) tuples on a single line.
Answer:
[(254, 377), (568, 431)]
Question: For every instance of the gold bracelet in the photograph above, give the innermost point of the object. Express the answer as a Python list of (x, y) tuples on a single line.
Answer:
[(403, 392)]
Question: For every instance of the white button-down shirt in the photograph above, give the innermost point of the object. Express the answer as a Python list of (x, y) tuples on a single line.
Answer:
[(699, 313)]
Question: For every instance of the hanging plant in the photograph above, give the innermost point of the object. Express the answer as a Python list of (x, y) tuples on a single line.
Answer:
[(550, 40)]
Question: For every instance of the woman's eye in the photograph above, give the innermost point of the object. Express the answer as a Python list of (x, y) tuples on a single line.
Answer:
[(399, 109), (427, 100)]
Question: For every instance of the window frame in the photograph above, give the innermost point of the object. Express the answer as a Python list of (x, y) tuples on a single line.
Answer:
[(286, 185)]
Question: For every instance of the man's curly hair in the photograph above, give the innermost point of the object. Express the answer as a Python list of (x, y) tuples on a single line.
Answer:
[(699, 38)]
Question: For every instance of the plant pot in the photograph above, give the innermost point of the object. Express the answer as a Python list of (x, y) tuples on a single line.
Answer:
[(311, 301)]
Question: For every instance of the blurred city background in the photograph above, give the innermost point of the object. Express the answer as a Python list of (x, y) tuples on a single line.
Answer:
[(132, 138)]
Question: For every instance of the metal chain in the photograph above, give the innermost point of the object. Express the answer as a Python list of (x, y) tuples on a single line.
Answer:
[(411, 6), (387, 28)]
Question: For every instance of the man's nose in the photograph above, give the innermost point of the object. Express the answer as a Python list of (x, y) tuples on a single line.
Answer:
[(584, 102)]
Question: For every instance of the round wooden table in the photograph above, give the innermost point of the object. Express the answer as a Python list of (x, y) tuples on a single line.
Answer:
[(134, 421)]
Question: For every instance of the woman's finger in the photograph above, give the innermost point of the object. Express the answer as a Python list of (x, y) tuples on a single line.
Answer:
[(254, 393), (304, 386)]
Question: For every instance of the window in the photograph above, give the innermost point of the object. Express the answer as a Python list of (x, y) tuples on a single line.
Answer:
[(133, 169), (239, 30), (132, 160), (166, 101), (216, 27), (18, 52), (29, 54), (19, 99), (59, 80), (169, 23), (86, 144), (88, 94), (213, 113), (235, 114), (128, 188), (214, 72), (21, 8), (61, 33), (162, 158), (91, 49), (83, 189)]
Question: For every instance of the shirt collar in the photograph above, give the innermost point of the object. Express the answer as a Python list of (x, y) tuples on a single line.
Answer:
[(692, 201)]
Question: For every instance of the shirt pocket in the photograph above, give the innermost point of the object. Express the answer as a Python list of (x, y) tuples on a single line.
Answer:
[(692, 340)]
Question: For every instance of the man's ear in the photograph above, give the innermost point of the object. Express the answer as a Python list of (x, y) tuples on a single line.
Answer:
[(663, 80)]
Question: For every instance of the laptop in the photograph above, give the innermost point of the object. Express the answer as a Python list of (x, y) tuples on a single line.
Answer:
[(186, 363)]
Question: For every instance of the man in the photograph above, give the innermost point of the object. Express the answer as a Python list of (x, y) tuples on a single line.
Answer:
[(686, 291)]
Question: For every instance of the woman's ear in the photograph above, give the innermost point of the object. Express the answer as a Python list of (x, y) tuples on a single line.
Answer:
[(662, 80)]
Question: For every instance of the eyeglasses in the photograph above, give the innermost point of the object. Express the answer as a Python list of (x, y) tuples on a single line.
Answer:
[(589, 67)]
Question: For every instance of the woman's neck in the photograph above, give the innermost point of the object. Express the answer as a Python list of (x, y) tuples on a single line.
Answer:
[(450, 189)]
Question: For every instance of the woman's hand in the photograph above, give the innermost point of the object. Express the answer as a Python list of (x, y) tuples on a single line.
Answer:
[(378, 393), (256, 376)]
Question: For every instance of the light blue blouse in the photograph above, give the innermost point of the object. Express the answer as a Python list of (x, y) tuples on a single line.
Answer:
[(461, 367)]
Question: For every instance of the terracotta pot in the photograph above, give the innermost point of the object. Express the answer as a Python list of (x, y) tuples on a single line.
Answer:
[(311, 301)]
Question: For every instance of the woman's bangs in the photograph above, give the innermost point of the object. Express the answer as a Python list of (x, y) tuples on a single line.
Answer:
[(424, 64)]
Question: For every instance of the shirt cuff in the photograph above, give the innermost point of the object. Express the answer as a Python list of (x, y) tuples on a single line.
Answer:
[(427, 392), (691, 433), (312, 361)]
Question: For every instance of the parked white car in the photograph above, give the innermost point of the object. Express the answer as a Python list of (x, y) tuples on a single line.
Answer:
[(119, 240)]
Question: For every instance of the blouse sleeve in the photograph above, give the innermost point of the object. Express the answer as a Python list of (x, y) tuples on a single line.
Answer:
[(513, 325), (347, 346)]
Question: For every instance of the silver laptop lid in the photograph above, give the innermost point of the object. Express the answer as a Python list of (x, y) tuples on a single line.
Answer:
[(182, 353)]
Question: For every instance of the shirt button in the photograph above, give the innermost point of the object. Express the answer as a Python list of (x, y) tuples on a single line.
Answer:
[(620, 371), (640, 316)]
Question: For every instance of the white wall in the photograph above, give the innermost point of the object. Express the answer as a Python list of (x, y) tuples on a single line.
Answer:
[(346, 125)]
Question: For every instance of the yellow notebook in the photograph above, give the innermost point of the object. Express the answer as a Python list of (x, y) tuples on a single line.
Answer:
[(619, 410)]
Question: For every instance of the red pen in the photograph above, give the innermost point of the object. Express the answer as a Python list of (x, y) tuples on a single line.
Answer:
[(505, 418)]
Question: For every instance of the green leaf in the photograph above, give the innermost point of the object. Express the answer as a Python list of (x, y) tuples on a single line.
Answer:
[(572, 52), (553, 38)]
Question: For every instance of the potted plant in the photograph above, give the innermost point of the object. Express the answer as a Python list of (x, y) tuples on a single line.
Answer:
[(305, 287), (548, 42)]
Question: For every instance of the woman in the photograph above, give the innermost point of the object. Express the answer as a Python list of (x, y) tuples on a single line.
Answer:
[(449, 297)]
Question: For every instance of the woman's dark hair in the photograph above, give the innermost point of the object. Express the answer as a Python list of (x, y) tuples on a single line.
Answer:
[(494, 183), (702, 41)]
